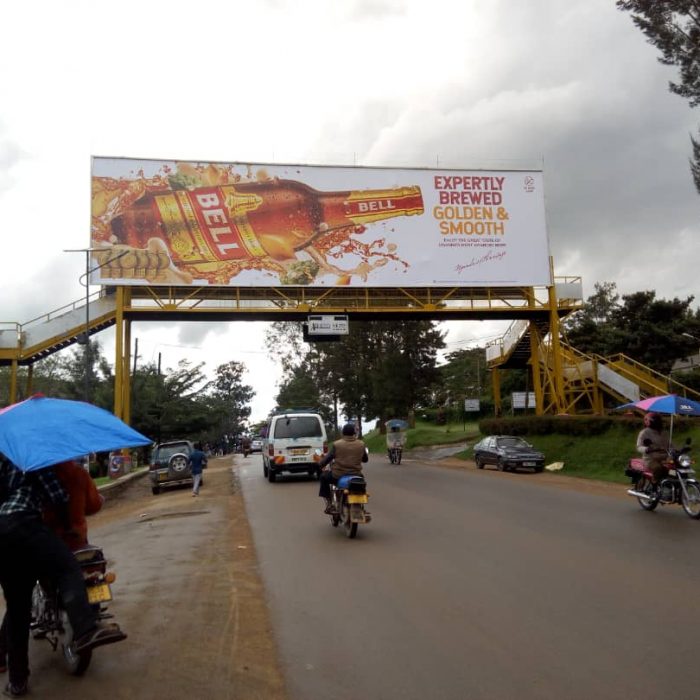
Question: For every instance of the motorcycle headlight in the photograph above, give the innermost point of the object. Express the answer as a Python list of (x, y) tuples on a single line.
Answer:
[(685, 461)]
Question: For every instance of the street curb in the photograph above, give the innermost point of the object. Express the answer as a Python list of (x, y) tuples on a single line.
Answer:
[(114, 488)]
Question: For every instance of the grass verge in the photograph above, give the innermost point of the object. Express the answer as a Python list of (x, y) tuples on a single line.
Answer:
[(601, 457)]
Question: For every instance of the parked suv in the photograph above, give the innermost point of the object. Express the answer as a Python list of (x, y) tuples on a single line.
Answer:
[(169, 464), (294, 442)]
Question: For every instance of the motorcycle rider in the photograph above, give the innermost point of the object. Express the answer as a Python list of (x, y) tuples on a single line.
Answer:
[(653, 443), (347, 456), (29, 551), (83, 499)]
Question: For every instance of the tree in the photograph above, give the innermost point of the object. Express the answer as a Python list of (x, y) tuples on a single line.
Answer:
[(673, 26), (592, 329), (299, 390), (230, 398), (173, 405), (381, 369), (655, 332), (464, 375)]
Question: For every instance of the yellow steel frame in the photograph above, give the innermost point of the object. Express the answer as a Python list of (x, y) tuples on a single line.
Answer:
[(139, 303)]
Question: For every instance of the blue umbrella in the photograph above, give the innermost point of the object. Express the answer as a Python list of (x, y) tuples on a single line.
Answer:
[(396, 423), (670, 404), (39, 432)]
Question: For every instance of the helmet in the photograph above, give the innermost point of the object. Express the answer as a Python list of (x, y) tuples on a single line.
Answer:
[(348, 429), (653, 421)]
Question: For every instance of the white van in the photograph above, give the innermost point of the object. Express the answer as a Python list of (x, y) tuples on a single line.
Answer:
[(294, 442)]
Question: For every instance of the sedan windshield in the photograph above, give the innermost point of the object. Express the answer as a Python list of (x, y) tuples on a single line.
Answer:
[(515, 442)]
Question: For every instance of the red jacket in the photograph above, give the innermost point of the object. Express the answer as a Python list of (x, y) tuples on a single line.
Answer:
[(84, 500)]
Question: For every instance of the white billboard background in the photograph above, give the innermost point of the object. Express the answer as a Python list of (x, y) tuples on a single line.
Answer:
[(478, 228)]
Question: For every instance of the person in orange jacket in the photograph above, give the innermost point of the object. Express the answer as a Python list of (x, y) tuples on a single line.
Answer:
[(83, 499)]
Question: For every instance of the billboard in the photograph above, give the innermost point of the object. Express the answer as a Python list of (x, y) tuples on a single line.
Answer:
[(255, 225)]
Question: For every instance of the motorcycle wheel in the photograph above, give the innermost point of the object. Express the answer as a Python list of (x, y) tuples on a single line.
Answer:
[(350, 527), (652, 500), (76, 664), (398, 457), (691, 502), (335, 520)]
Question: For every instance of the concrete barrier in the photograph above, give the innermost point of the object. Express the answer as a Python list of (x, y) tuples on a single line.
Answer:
[(118, 486)]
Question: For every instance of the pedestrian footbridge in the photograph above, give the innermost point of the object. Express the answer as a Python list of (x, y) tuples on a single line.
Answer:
[(585, 380)]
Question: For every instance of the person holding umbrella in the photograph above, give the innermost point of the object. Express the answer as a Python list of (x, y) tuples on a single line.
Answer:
[(653, 442), (30, 550)]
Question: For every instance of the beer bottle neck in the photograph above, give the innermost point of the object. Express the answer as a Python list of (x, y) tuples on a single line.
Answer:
[(341, 209)]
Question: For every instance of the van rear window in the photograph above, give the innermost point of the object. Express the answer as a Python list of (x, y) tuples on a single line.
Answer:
[(298, 426)]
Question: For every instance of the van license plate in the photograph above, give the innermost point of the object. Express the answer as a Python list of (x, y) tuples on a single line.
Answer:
[(99, 594)]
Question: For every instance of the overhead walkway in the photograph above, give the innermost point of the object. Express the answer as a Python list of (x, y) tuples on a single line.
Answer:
[(26, 343), (585, 380), (23, 344)]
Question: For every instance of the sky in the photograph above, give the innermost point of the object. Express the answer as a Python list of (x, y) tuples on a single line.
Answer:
[(569, 86)]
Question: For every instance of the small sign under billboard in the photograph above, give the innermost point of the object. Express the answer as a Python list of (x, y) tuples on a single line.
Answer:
[(328, 325), (180, 223)]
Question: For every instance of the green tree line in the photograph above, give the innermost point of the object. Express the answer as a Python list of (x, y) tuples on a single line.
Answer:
[(179, 402)]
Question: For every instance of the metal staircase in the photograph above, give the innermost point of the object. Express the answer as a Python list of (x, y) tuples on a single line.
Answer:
[(56, 330), (587, 379)]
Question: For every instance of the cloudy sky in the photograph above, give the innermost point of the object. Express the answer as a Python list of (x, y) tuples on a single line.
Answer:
[(567, 85)]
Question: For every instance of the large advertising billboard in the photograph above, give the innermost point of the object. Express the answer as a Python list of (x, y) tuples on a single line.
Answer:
[(257, 225)]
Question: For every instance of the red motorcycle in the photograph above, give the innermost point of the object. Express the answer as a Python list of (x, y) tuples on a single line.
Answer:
[(679, 487)]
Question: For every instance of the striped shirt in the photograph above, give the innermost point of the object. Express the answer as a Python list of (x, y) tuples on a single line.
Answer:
[(28, 492)]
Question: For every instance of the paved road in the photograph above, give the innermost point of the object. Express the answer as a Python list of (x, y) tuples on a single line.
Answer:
[(477, 585)]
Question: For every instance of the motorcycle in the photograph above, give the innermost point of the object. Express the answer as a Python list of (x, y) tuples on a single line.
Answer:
[(348, 500), (395, 439), (395, 454), (49, 620), (679, 487)]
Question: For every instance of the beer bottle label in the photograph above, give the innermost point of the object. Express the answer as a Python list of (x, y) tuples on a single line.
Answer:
[(210, 224)]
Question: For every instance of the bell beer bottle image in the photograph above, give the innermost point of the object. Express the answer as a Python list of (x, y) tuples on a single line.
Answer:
[(244, 221)]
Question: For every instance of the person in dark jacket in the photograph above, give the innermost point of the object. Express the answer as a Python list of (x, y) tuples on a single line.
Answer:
[(197, 462), (29, 551), (347, 456), (83, 499)]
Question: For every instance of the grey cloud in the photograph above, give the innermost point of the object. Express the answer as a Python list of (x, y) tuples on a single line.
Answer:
[(10, 156), (377, 9)]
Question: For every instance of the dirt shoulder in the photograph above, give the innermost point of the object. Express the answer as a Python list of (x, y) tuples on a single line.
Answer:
[(226, 623)]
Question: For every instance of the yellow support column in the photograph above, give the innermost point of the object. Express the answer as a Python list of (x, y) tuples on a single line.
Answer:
[(126, 374), (559, 398), (119, 356), (535, 341)]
